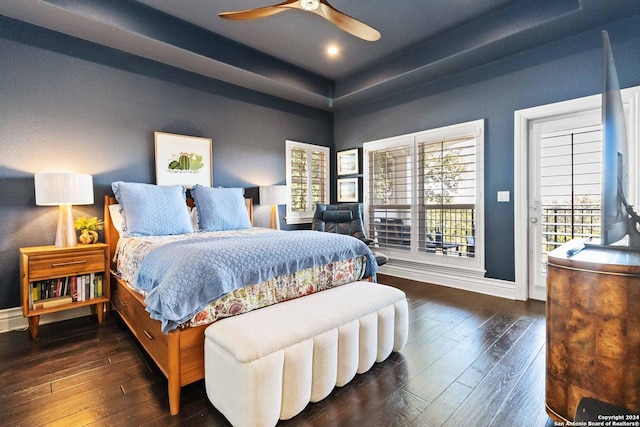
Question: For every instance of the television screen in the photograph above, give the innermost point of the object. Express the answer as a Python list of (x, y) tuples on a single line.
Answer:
[(613, 215)]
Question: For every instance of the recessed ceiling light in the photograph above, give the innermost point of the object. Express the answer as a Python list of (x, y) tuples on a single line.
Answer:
[(333, 50)]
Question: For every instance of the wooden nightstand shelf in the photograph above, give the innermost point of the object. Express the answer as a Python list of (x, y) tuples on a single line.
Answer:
[(50, 276)]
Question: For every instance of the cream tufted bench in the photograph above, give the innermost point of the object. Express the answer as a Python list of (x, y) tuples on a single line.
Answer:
[(268, 364)]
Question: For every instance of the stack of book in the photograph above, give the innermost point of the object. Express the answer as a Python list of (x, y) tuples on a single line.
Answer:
[(65, 290)]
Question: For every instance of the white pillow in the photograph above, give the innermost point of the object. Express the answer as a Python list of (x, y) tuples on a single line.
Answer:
[(193, 212), (116, 218)]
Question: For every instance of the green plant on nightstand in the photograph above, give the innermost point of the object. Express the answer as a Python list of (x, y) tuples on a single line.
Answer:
[(88, 228)]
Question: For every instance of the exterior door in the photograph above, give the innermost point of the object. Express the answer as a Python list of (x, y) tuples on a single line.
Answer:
[(564, 187)]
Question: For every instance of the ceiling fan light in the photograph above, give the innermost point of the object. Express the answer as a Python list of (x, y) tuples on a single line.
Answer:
[(310, 5)]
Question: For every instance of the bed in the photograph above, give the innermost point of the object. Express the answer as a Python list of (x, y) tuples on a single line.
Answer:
[(177, 346)]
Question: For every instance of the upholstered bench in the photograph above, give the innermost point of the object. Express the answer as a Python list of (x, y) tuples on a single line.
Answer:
[(268, 364)]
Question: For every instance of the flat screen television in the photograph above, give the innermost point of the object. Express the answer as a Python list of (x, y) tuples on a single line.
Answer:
[(618, 220)]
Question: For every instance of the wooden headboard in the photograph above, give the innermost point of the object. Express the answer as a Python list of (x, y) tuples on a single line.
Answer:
[(111, 235)]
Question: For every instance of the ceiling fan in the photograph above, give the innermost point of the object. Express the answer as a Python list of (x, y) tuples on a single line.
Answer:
[(319, 7)]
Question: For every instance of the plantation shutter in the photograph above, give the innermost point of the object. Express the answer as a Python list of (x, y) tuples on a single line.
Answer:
[(307, 178), (423, 200), (570, 166), (299, 180), (446, 179), (389, 196), (318, 179)]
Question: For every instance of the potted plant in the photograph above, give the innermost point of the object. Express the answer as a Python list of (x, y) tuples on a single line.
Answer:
[(88, 228)]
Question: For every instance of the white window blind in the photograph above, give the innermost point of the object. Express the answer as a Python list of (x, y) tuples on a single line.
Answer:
[(307, 179), (423, 194), (570, 165), (446, 195), (390, 170)]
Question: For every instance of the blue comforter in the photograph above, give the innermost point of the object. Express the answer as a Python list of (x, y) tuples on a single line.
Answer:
[(182, 277)]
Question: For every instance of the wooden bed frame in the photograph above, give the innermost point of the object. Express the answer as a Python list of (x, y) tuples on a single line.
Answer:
[(180, 353)]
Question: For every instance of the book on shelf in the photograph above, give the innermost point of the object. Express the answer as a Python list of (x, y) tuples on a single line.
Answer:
[(35, 291), (98, 285), (82, 287), (65, 286), (58, 292), (52, 302), (90, 286), (73, 288)]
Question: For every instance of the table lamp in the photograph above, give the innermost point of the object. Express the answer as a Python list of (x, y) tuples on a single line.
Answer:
[(274, 195), (64, 190)]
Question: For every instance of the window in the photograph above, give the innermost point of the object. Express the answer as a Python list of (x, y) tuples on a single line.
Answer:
[(423, 194), (570, 164), (446, 195), (389, 194), (307, 180)]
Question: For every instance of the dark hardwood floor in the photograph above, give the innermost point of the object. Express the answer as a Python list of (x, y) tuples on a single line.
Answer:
[(471, 360)]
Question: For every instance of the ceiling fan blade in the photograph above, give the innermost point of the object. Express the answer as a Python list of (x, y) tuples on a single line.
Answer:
[(319, 7), (346, 22), (260, 12)]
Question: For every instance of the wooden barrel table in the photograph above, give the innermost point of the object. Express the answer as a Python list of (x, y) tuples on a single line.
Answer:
[(593, 329)]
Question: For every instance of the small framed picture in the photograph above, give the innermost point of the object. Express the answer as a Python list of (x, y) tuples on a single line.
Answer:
[(348, 190), (348, 162), (183, 160)]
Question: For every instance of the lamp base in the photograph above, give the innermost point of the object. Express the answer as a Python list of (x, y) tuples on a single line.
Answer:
[(275, 218), (65, 234)]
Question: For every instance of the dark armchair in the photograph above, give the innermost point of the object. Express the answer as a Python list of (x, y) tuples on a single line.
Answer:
[(345, 218)]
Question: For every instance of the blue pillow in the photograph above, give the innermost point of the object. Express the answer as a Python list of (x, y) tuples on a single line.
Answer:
[(152, 210), (220, 208)]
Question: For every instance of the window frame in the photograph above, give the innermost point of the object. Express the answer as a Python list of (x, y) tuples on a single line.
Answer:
[(414, 256), (307, 216)]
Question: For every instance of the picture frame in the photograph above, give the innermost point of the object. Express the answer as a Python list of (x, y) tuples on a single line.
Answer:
[(348, 162), (183, 160), (348, 190)]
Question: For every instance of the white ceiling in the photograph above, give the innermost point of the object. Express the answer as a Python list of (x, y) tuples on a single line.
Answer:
[(284, 55)]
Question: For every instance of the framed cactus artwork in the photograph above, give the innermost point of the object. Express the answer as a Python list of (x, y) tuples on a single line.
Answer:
[(183, 160)]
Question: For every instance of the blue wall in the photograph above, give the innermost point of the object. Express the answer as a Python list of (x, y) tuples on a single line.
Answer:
[(71, 105), (66, 104), (566, 69)]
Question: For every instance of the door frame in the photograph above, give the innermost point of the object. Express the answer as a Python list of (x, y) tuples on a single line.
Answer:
[(522, 124)]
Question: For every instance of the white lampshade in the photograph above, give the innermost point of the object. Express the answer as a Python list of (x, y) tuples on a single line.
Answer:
[(274, 195), (54, 189), (64, 190)]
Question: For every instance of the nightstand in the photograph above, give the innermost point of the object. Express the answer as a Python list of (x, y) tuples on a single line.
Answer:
[(55, 279)]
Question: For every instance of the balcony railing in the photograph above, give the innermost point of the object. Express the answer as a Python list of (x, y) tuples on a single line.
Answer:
[(450, 230), (561, 223), (445, 230)]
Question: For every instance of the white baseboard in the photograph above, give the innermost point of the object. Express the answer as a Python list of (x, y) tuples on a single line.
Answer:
[(482, 285), (11, 319)]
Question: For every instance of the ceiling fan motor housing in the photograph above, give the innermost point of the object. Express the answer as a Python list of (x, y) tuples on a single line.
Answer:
[(310, 4)]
